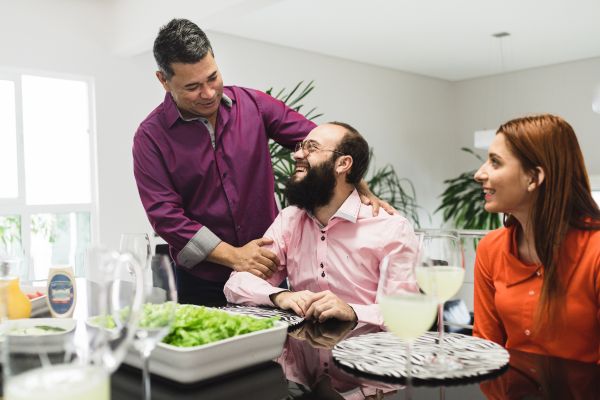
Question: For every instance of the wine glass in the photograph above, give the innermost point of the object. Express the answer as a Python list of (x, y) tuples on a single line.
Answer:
[(160, 300), (406, 312), (440, 272), (138, 244)]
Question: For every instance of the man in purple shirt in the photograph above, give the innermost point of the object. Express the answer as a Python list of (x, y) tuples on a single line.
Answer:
[(203, 168)]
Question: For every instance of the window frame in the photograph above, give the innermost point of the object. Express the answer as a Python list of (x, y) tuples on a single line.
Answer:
[(18, 205)]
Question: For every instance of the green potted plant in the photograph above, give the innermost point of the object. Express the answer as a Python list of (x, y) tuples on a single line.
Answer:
[(383, 182), (463, 204)]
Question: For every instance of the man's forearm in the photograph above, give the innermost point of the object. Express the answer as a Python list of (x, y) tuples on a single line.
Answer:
[(223, 254)]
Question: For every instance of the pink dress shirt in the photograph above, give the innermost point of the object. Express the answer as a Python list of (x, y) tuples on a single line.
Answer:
[(343, 257)]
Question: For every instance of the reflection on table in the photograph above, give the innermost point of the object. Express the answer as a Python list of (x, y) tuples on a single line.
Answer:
[(306, 370), (532, 376)]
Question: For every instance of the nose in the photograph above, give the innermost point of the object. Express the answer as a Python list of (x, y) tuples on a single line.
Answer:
[(207, 93), (480, 174), (298, 154)]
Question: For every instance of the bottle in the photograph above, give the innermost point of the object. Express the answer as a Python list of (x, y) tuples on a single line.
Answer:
[(62, 292), (15, 304)]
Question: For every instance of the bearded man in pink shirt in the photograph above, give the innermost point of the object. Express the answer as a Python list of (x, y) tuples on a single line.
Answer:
[(330, 245)]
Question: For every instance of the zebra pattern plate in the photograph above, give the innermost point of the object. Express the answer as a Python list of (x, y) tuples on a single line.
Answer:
[(285, 316), (383, 355)]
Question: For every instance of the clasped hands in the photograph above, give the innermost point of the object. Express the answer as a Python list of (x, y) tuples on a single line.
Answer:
[(319, 306)]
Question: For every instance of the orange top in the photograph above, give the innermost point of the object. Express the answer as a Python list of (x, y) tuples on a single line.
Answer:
[(507, 292)]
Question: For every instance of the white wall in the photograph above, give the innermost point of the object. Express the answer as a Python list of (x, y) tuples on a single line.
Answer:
[(392, 109), (565, 89)]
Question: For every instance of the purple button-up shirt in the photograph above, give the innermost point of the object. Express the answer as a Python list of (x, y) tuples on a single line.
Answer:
[(196, 195)]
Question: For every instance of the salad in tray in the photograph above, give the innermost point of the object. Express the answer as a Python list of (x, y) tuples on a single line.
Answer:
[(194, 325)]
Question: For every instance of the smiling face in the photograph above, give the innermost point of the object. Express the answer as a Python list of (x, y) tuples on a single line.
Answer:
[(507, 186), (320, 142), (196, 88)]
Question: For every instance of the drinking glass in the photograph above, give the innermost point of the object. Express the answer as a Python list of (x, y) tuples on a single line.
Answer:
[(158, 311), (138, 244), (440, 272), (406, 312), (74, 357)]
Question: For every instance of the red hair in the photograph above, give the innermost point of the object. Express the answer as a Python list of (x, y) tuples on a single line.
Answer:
[(563, 200)]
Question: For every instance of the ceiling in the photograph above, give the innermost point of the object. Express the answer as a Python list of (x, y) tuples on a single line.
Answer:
[(446, 39)]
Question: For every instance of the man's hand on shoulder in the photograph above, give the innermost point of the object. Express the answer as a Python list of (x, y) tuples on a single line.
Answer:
[(298, 302), (368, 198), (249, 258), (325, 305)]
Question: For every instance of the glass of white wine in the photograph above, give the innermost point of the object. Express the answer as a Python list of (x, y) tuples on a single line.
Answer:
[(406, 312), (440, 272)]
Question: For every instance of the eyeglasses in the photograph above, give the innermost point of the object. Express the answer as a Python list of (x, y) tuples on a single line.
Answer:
[(310, 146)]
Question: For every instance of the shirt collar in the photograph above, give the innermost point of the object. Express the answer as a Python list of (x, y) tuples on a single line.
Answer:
[(517, 270), (571, 253), (172, 113), (348, 211), (350, 208)]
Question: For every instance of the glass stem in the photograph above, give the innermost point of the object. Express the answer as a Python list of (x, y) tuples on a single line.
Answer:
[(440, 330), (408, 389), (146, 375)]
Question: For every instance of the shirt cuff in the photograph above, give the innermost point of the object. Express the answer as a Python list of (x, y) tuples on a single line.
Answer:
[(368, 313), (198, 248)]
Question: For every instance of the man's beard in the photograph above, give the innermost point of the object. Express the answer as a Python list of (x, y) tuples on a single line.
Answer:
[(315, 189)]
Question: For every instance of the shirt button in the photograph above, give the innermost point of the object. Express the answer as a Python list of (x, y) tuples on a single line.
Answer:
[(322, 237), (224, 174), (538, 273), (322, 231), (527, 332), (323, 274), (321, 265), (531, 292)]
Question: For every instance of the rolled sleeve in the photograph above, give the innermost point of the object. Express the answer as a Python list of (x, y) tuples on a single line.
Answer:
[(198, 248)]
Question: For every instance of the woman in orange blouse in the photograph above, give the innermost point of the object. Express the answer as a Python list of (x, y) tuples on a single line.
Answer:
[(537, 279)]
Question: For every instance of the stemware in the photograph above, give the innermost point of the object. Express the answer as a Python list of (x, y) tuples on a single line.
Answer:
[(440, 272), (406, 312), (75, 358), (160, 300)]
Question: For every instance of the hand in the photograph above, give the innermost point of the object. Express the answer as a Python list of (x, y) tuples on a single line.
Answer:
[(254, 259), (298, 302), (368, 198), (325, 305), (326, 335)]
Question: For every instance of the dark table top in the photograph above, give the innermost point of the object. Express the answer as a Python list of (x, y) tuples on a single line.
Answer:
[(306, 370)]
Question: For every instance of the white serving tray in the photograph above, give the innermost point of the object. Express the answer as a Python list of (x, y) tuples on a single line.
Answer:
[(191, 364)]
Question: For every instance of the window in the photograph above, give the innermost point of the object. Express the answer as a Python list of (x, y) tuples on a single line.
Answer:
[(47, 212)]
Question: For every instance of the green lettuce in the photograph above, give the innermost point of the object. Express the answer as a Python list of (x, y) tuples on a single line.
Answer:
[(197, 325)]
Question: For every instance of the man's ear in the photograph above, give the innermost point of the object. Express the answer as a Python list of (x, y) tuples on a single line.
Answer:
[(537, 177), (163, 80), (343, 164)]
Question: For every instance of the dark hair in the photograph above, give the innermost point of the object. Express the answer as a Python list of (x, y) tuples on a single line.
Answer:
[(563, 199), (181, 41), (354, 145)]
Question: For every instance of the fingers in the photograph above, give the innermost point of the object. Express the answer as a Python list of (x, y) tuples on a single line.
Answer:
[(263, 241), (366, 200), (387, 207), (269, 259), (375, 205), (258, 273), (295, 307)]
